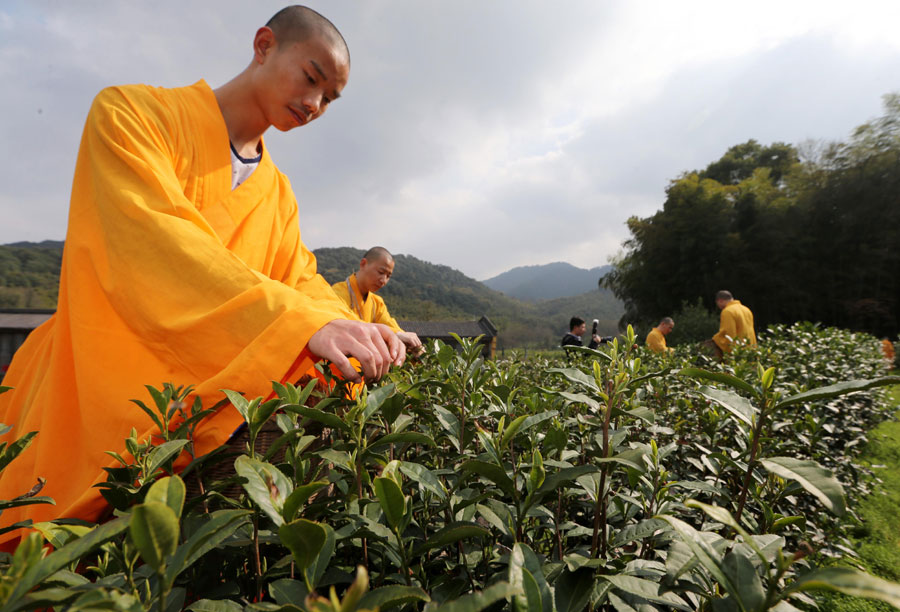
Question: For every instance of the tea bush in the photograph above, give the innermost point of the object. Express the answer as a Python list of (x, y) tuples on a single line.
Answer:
[(617, 480)]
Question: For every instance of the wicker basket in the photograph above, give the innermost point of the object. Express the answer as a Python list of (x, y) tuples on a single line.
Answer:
[(223, 469)]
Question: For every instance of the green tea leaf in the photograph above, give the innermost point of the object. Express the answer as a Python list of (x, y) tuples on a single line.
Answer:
[(451, 534), (388, 597), (835, 390), (305, 539), (719, 377), (391, 499), (295, 500), (812, 477), (848, 581), (266, 485), (732, 402), (170, 491), (154, 530)]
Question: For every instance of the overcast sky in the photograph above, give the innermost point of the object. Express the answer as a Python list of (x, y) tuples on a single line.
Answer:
[(479, 134)]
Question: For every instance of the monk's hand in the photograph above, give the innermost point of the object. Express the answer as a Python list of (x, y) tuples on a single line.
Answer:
[(412, 342), (375, 346)]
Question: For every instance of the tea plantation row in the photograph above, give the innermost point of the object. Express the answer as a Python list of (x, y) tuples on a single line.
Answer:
[(613, 479)]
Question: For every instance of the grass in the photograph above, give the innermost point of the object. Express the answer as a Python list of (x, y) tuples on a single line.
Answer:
[(877, 539)]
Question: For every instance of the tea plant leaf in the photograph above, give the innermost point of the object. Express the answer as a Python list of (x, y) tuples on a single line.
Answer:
[(569, 474), (525, 568), (215, 605), (305, 539), (732, 402), (326, 418), (319, 565), (170, 491), (239, 402), (835, 390), (706, 554), (161, 454), (719, 377), (65, 556), (154, 530), (743, 574), (266, 485), (577, 398), (646, 589), (219, 526), (639, 531), (848, 581), (298, 497), (573, 590), (494, 473), (811, 476), (451, 534), (375, 398), (391, 499), (391, 596), (424, 477), (403, 437), (286, 590), (578, 377)]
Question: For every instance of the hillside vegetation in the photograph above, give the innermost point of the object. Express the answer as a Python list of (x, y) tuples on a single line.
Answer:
[(29, 274)]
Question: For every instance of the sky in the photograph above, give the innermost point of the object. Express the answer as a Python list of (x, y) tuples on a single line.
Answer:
[(478, 134)]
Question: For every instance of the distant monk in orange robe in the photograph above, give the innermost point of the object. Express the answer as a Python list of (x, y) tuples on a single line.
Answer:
[(358, 292), (183, 263)]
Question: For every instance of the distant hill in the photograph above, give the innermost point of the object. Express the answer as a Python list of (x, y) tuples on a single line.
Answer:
[(547, 282), (419, 290), (29, 274)]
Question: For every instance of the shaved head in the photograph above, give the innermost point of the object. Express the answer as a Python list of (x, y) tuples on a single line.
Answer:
[(378, 254), (300, 23)]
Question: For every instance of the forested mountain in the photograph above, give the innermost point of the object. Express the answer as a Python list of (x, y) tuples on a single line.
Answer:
[(810, 234), (29, 274), (546, 282), (423, 291), (29, 278)]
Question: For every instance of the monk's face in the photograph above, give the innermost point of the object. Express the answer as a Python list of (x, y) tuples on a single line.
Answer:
[(296, 82), (374, 274)]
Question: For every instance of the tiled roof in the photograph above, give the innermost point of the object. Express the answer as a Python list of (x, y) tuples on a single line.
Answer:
[(21, 319), (442, 329)]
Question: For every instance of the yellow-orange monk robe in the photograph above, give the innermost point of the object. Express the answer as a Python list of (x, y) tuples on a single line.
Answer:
[(735, 323), (656, 341), (168, 276), (370, 309)]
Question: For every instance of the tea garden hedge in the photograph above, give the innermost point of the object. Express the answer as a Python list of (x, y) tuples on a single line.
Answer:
[(603, 480)]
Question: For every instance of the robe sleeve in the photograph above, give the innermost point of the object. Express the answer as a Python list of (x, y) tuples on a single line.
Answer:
[(163, 269), (727, 330)]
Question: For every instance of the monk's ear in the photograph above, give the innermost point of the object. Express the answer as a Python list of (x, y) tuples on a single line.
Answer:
[(263, 44), (362, 263)]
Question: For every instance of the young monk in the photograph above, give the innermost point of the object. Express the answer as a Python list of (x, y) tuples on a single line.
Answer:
[(358, 292), (183, 263)]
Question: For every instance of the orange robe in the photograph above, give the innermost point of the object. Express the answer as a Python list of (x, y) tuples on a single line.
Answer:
[(735, 323), (168, 276)]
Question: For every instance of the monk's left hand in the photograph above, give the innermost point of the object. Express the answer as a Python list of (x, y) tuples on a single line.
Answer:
[(412, 342)]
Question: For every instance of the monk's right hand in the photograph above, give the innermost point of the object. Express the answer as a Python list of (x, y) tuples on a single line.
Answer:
[(375, 346)]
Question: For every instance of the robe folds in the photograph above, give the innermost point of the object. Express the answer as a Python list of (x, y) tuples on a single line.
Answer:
[(168, 276), (372, 309)]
